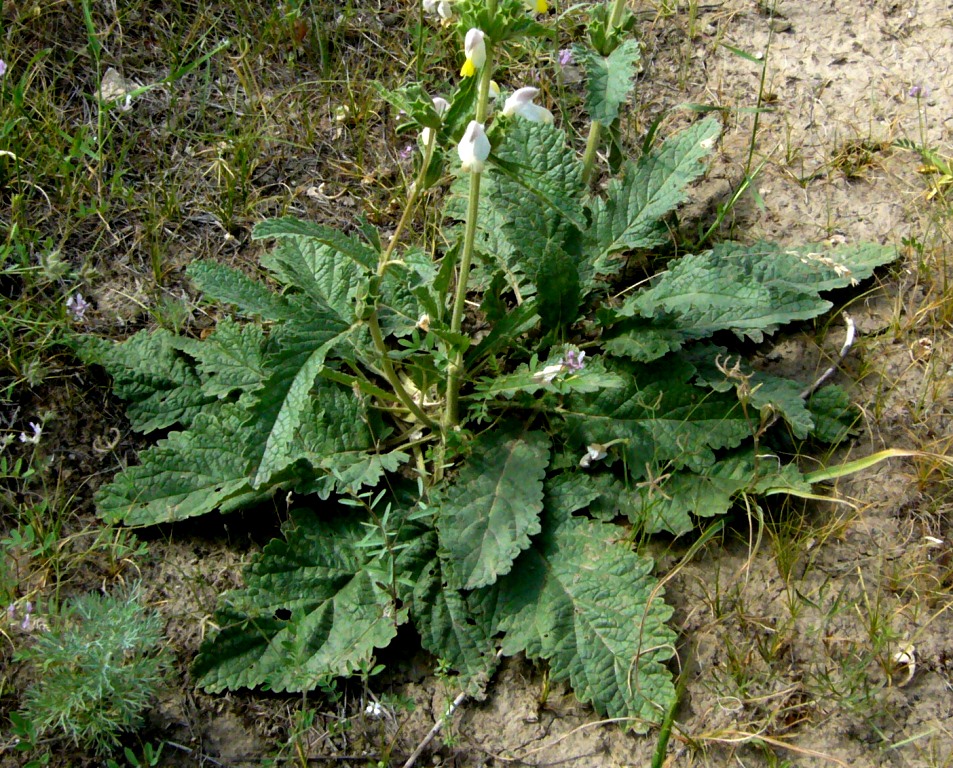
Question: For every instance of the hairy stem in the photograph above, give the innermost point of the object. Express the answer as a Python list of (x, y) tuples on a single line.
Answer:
[(391, 375), (592, 144)]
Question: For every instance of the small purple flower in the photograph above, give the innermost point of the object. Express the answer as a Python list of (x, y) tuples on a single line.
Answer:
[(3, 67), (35, 439), (919, 92), (11, 611), (565, 57), (575, 360), (28, 609), (76, 305), (406, 152)]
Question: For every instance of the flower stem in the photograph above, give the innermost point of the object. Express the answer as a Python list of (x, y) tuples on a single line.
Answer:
[(455, 375), (592, 144)]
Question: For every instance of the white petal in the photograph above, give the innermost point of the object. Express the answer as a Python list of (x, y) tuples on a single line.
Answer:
[(474, 148)]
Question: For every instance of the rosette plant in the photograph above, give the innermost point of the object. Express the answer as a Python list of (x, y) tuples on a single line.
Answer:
[(474, 428)]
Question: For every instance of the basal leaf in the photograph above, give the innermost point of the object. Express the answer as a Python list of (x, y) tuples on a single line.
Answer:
[(290, 228), (453, 627), (610, 80), (322, 267), (660, 417), (591, 607), (187, 474), (489, 513), (835, 417), (753, 289), (309, 611), (631, 214), (230, 359), (286, 397), (231, 286), (161, 387)]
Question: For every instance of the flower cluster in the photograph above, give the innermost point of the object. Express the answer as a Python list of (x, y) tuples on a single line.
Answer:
[(572, 362)]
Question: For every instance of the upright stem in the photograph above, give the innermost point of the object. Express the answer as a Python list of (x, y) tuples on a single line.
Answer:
[(592, 145), (595, 128), (455, 374), (373, 324)]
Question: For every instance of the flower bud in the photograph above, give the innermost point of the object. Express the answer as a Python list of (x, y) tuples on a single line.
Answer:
[(440, 106)]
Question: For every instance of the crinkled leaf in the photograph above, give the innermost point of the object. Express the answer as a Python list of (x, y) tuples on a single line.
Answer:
[(489, 513), (591, 607), (641, 340), (610, 80), (309, 611), (286, 397), (661, 417), (231, 286), (161, 387), (631, 214), (835, 417), (188, 473), (453, 627), (753, 289), (230, 359), (306, 257), (293, 229)]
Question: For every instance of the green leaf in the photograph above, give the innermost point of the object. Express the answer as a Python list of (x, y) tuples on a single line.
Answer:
[(590, 606), (282, 403), (610, 80), (187, 474), (231, 286), (488, 515), (323, 267), (452, 627), (528, 379), (229, 360), (631, 215), (309, 611), (835, 417), (751, 290), (659, 415), (161, 387), (293, 229)]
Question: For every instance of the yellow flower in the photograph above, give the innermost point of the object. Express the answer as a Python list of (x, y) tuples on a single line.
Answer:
[(475, 49), (538, 6)]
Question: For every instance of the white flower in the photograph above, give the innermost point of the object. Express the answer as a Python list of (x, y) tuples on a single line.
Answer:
[(374, 710), (474, 47), (594, 452), (550, 372), (474, 148), (440, 106), (521, 103), (439, 8)]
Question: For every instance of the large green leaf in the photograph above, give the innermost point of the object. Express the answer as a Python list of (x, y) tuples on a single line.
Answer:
[(659, 417), (283, 402), (631, 214), (753, 289), (310, 610), (489, 513), (161, 387), (610, 80), (230, 359), (299, 231), (591, 607), (188, 473), (231, 286), (452, 626)]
